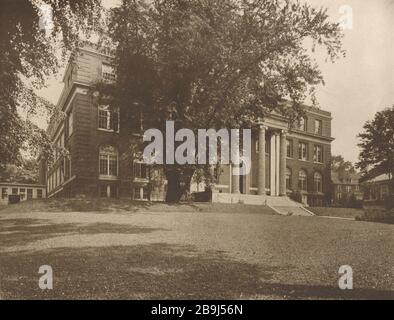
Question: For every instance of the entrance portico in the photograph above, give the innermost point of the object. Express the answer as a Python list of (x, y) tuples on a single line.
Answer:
[(273, 183)]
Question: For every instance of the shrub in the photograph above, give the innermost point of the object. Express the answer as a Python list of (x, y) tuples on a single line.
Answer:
[(377, 214)]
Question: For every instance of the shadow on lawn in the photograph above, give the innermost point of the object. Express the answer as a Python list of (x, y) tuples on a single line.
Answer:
[(16, 232), (155, 271)]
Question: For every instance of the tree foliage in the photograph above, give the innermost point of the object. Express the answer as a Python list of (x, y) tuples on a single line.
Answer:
[(377, 144), (342, 167), (25, 172), (27, 57), (216, 63)]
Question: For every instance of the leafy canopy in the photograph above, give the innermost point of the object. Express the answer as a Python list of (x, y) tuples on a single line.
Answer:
[(377, 144), (27, 58), (216, 63)]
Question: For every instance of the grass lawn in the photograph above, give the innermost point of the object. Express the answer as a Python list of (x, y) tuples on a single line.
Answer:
[(148, 253), (119, 205)]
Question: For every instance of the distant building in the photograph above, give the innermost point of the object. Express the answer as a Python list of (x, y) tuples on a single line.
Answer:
[(377, 189), (285, 161), (21, 190), (346, 186)]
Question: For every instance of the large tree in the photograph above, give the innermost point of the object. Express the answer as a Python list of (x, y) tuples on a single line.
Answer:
[(216, 63), (28, 55), (377, 145)]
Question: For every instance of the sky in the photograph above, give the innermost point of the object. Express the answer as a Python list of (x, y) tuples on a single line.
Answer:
[(357, 86)]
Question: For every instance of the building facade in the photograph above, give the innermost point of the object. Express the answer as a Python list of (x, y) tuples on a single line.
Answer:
[(293, 162), (95, 140), (21, 190), (285, 161), (377, 189), (346, 187)]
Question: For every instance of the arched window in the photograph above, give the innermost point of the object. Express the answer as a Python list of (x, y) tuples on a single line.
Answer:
[(317, 179), (108, 161), (302, 180), (288, 178)]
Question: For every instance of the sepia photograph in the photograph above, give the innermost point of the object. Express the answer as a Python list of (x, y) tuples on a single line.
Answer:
[(198, 155)]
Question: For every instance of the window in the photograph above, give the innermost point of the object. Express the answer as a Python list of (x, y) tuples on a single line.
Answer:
[(108, 73), (29, 194), (257, 145), (140, 170), (145, 193), (137, 122), (108, 162), (22, 192), (103, 191), (318, 126), (289, 148), (288, 178), (39, 193), (4, 193), (317, 179), (137, 193), (302, 180), (302, 151), (14, 190), (108, 118), (318, 154), (70, 123), (384, 191), (302, 124), (141, 193)]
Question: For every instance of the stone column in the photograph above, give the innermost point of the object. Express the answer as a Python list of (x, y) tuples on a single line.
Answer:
[(234, 180), (282, 170), (235, 159), (261, 162), (272, 165), (277, 162)]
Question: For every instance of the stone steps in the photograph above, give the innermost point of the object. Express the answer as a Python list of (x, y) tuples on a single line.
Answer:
[(281, 205)]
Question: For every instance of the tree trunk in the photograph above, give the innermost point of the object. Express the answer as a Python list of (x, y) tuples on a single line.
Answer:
[(174, 192), (178, 184)]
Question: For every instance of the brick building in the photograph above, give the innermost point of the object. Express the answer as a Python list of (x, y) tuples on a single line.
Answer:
[(24, 191), (97, 139), (295, 162), (345, 187), (377, 189)]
